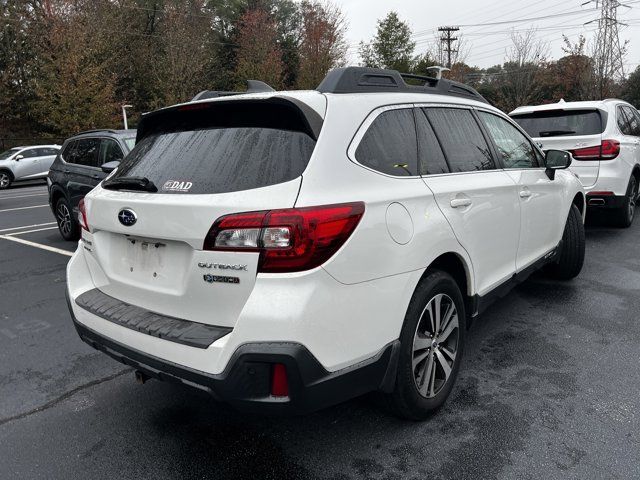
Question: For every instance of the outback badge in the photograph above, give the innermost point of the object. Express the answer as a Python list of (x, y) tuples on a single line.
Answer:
[(219, 279)]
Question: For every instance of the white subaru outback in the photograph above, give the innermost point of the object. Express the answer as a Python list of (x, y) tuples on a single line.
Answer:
[(286, 251), (604, 139)]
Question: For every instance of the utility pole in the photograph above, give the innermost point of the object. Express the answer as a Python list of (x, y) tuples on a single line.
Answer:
[(609, 53), (447, 39)]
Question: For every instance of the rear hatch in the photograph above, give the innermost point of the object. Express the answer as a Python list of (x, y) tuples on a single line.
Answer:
[(191, 165), (568, 129)]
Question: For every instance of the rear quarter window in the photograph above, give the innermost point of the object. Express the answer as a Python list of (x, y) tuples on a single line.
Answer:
[(390, 145)]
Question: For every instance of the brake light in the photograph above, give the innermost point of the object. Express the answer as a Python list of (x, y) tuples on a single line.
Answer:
[(607, 150), (289, 240), (82, 216)]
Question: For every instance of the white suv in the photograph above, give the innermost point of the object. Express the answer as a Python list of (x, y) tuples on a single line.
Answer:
[(286, 251), (604, 139)]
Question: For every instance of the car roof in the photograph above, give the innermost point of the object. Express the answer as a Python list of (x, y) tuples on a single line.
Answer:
[(562, 105), (105, 132), (36, 146)]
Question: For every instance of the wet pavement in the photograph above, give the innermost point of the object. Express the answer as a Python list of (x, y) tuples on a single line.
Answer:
[(548, 388)]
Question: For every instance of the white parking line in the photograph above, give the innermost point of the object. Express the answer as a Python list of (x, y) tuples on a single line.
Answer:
[(31, 231), (27, 226), (23, 196), (37, 245), (22, 208)]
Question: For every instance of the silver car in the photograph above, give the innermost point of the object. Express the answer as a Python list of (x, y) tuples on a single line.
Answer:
[(26, 163)]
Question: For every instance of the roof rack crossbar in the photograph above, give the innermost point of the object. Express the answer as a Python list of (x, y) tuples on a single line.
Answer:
[(369, 80)]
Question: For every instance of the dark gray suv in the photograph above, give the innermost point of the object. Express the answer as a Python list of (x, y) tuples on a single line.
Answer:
[(83, 162)]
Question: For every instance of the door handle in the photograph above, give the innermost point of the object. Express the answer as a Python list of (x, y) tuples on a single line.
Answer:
[(525, 193), (66, 171), (95, 175), (460, 202)]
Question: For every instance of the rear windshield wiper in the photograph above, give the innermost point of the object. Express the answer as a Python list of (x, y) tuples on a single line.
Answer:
[(130, 183), (554, 133)]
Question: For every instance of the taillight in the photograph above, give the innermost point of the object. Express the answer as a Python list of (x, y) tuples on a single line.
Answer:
[(82, 216), (607, 150), (279, 380), (289, 240)]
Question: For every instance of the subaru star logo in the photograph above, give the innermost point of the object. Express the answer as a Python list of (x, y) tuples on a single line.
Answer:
[(127, 217)]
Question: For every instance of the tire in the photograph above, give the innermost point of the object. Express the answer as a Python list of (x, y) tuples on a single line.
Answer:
[(571, 256), (6, 179), (623, 217), (417, 393), (67, 223)]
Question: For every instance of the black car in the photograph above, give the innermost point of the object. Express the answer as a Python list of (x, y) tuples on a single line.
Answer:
[(83, 162)]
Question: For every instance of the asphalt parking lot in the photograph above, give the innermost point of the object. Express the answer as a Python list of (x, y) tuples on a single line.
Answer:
[(548, 388)]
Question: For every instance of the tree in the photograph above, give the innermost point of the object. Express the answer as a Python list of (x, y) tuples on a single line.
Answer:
[(322, 45), (391, 47), (631, 89), (518, 80), (259, 56), (74, 90)]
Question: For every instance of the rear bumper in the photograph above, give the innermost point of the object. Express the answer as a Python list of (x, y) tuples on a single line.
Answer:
[(245, 383)]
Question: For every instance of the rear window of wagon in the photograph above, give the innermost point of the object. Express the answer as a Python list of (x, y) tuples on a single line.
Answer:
[(222, 147)]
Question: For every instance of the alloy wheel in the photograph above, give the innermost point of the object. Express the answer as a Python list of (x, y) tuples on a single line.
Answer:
[(4, 180), (64, 219), (435, 345), (633, 197)]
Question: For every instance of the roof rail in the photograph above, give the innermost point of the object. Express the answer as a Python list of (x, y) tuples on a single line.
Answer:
[(367, 80), (253, 86), (110, 130)]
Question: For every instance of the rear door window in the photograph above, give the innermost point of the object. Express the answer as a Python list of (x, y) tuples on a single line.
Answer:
[(431, 157), (559, 123), (462, 141), (84, 152), (390, 145)]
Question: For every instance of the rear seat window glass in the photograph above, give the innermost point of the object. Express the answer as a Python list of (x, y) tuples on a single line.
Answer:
[(432, 161), (83, 152), (390, 145), (219, 160), (461, 139), (559, 123)]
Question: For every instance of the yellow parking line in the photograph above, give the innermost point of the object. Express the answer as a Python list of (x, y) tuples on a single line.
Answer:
[(37, 245)]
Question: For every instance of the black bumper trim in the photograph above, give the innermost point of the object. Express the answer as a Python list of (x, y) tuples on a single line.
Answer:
[(176, 330), (245, 382), (605, 202)]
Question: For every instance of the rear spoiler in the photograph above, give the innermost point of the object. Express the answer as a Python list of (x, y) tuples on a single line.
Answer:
[(253, 86), (272, 112)]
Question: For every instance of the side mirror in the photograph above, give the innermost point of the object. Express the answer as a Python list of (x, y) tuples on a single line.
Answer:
[(17, 158), (556, 160), (110, 166)]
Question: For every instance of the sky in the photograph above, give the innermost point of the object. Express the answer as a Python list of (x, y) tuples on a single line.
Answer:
[(487, 44)]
